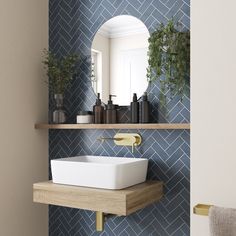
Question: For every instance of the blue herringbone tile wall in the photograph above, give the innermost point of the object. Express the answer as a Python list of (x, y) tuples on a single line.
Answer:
[(73, 24)]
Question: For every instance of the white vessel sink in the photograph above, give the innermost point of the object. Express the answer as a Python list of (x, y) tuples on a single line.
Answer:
[(99, 171)]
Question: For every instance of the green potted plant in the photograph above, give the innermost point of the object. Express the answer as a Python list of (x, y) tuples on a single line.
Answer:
[(60, 73), (169, 55)]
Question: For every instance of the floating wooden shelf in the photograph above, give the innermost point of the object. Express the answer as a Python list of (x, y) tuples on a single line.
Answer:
[(118, 202), (114, 126)]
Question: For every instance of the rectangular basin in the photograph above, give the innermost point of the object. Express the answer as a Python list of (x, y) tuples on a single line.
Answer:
[(99, 171)]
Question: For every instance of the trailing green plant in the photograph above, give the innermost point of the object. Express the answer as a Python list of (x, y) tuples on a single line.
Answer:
[(169, 56), (59, 70)]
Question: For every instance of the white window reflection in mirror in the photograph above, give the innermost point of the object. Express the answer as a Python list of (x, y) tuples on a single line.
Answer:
[(96, 70), (120, 60)]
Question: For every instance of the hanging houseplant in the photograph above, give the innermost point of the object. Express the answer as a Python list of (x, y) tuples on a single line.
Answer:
[(169, 55)]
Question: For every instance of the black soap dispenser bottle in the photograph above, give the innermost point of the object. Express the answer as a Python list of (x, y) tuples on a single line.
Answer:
[(110, 112), (98, 111), (134, 109), (145, 109)]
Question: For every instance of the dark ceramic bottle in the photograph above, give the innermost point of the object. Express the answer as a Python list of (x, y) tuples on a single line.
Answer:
[(134, 109), (145, 109)]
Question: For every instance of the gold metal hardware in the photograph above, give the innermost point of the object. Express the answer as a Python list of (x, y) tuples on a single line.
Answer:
[(125, 139), (100, 221), (102, 139), (101, 218), (128, 139), (201, 209)]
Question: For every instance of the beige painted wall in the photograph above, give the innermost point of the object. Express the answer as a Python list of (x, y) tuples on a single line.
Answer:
[(23, 101), (213, 112)]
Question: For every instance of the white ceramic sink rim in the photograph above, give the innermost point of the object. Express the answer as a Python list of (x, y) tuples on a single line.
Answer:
[(99, 171), (100, 160)]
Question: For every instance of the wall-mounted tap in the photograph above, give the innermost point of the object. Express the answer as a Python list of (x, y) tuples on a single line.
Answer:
[(102, 139), (128, 139), (125, 139)]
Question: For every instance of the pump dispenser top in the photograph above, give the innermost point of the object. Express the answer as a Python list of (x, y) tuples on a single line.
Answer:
[(98, 100), (110, 104), (135, 99)]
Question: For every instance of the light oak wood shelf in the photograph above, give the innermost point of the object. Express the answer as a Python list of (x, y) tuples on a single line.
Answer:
[(114, 126), (119, 202)]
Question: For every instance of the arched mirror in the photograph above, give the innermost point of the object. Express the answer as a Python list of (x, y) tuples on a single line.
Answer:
[(119, 59)]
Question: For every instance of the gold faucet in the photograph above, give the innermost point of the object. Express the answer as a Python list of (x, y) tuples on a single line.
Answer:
[(129, 139), (102, 139), (125, 139)]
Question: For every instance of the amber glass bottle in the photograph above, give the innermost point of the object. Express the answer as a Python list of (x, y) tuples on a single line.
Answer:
[(98, 111)]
